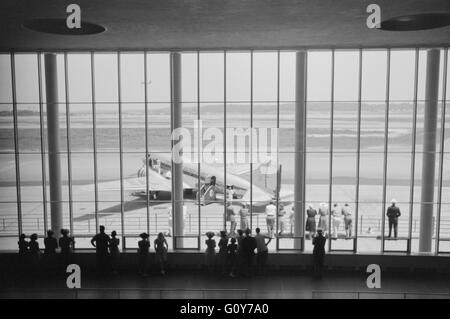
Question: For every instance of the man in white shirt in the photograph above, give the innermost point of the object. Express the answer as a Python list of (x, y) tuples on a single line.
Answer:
[(261, 251), (271, 211)]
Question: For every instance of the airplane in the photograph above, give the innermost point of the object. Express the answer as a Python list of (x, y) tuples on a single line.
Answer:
[(212, 181)]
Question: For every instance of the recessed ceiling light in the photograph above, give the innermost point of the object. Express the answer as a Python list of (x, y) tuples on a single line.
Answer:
[(58, 26), (416, 22)]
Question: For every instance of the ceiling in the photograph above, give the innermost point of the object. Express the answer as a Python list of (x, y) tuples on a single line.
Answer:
[(218, 24)]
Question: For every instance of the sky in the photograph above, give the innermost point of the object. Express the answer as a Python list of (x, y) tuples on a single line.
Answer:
[(214, 80)]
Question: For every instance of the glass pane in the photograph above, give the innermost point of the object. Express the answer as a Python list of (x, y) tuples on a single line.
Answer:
[(374, 68), (211, 77), (6, 128), (31, 177), (133, 127), (108, 176), (265, 70), (319, 76), (346, 75), (403, 64), (5, 78), (189, 77), (287, 76), (82, 177), (238, 76), (106, 82), (8, 223), (318, 125), (79, 76), (8, 178), (158, 77), (132, 84), (27, 85), (28, 124)]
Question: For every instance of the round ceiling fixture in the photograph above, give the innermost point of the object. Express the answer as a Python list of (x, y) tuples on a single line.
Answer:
[(416, 22), (58, 26)]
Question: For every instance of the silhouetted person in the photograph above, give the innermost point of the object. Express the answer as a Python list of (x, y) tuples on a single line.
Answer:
[(143, 252), (23, 245), (210, 253), (232, 256), (24, 253), (223, 252), (114, 251), (66, 244), (240, 253), (161, 247), (51, 244), (318, 253), (35, 254), (261, 251), (393, 213), (248, 250), (101, 244)]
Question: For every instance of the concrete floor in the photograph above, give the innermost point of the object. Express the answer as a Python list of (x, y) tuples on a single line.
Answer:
[(198, 285)]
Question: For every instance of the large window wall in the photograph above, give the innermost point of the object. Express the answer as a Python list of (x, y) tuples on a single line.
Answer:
[(364, 125)]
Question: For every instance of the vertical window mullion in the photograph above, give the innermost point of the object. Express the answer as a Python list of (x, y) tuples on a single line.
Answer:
[(16, 144), (251, 139), (330, 189), (277, 188), (441, 155), (146, 143), (305, 131), (69, 152), (386, 136), (413, 150), (41, 130), (174, 240), (94, 140), (119, 99), (225, 136), (199, 155), (358, 152)]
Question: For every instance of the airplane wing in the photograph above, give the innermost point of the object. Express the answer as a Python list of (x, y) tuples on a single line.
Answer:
[(156, 182), (241, 169)]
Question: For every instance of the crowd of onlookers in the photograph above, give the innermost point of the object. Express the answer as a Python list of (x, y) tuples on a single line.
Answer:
[(237, 254)]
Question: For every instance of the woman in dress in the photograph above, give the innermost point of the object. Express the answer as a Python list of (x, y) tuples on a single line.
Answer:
[(323, 220), (210, 253), (311, 221), (114, 252), (143, 251), (161, 248)]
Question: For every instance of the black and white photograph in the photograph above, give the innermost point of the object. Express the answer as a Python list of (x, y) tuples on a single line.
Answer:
[(217, 152)]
